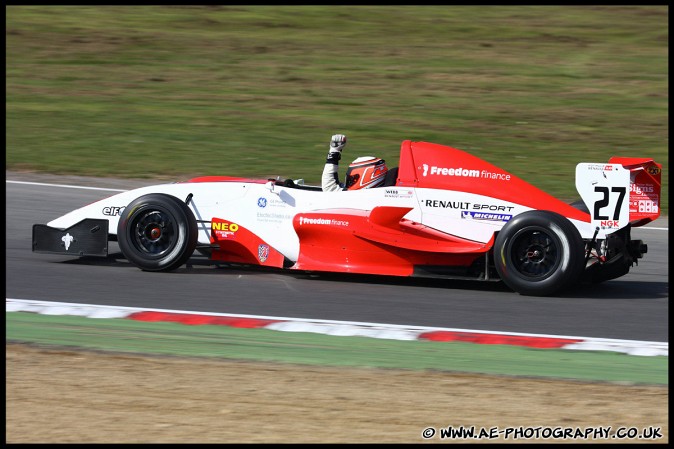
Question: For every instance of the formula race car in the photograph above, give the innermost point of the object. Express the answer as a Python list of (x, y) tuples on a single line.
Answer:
[(441, 212)]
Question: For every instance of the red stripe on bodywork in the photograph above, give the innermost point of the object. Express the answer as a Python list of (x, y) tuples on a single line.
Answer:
[(357, 242), (498, 339), (240, 245), (193, 319), (419, 159)]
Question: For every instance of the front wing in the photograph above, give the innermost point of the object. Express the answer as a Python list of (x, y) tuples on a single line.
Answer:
[(89, 237)]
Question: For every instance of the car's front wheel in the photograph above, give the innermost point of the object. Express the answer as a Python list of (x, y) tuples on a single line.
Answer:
[(539, 253), (157, 232)]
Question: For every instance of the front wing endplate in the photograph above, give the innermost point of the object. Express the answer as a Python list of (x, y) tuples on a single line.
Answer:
[(89, 237)]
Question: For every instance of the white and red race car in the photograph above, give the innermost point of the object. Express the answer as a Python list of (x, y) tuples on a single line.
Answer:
[(441, 213)]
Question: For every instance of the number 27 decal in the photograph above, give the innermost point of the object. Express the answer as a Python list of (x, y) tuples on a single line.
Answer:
[(602, 203), (605, 190)]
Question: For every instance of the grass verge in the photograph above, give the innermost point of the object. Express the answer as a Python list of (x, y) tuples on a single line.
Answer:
[(316, 349), (174, 92)]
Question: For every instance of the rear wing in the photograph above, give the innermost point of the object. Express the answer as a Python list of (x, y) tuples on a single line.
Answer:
[(624, 191), (645, 184)]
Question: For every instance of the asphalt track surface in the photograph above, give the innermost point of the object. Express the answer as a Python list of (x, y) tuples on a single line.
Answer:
[(634, 307)]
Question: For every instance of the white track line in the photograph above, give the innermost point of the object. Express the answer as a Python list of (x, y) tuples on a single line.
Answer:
[(65, 186)]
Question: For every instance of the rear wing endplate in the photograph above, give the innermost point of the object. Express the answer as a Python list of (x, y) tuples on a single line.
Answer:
[(623, 191)]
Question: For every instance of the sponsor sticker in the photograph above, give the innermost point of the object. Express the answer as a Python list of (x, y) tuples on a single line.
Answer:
[(609, 224), (224, 229), (434, 170), (599, 167), (642, 188), (67, 240), (654, 170), (485, 216), (398, 193), (263, 203), (646, 206), (447, 204), (113, 210), (272, 217), (322, 221), (441, 204), (263, 252)]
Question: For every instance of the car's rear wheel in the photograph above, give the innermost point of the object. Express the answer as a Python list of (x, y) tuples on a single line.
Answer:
[(157, 232), (539, 253)]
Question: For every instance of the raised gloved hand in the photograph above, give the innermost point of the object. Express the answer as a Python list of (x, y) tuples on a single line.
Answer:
[(337, 144)]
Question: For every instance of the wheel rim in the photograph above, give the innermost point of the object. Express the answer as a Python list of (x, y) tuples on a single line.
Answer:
[(535, 253), (153, 232)]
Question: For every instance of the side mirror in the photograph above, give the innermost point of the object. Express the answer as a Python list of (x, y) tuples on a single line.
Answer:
[(270, 186)]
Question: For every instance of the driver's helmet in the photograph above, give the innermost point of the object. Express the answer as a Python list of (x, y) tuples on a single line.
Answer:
[(366, 172)]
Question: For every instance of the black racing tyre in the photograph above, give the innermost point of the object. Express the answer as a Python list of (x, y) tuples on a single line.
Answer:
[(157, 232), (539, 253)]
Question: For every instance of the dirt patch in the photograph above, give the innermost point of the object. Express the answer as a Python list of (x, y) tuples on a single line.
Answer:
[(71, 396)]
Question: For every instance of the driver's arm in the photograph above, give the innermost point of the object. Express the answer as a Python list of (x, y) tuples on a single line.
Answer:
[(330, 178)]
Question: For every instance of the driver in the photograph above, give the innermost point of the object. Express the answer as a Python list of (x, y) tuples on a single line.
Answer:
[(363, 173)]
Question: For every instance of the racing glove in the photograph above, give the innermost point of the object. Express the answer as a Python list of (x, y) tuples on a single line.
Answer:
[(337, 144)]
